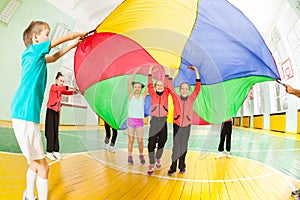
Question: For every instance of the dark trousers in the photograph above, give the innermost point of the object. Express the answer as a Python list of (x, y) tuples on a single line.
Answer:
[(180, 144), (51, 130), (108, 134), (226, 131), (157, 135)]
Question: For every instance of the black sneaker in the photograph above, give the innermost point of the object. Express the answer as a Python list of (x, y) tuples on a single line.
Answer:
[(182, 171), (170, 172)]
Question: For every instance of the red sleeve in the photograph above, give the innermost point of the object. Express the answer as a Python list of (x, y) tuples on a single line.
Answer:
[(68, 92), (63, 89), (175, 98), (150, 85), (59, 88), (170, 89), (174, 95), (196, 90), (170, 85), (166, 82), (230, 120)]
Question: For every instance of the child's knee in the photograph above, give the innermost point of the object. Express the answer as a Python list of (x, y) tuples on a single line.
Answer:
[(44, 170), (131, 140), (140, 142)]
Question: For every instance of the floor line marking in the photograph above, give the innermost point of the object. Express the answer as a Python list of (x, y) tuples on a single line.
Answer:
[(117, 167)]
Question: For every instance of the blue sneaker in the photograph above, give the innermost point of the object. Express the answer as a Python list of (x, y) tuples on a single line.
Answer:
[(142, 159), (130, 160)]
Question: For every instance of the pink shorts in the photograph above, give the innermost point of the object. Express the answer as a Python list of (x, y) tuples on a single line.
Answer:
[(135, 122)]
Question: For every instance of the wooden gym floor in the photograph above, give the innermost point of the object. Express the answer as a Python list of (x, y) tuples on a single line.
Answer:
[(264, 165)]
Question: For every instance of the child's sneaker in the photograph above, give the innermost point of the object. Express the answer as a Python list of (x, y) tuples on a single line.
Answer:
[(150, 170), (170, 172), (228, 155), (296, 192), (219, 155), (50, 156), (142, 159), (25, 196), (57, 155), (182, 171), (158, 164), (112, 149), (28, 199), (106, 146), (130, 160), (106, 140)]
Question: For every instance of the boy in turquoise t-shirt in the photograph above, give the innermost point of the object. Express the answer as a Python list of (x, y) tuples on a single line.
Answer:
[(27, 102)]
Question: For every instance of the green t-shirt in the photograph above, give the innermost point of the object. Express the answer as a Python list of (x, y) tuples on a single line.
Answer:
[(28, 99)]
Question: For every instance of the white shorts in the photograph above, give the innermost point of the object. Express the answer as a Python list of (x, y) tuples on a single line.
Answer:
[(28, 135)]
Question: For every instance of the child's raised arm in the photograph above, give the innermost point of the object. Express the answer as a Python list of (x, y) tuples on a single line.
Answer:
[(67, 37), (291, 90), (169, 73), (145, 92), (196, 71), (150, 81), (130, 81), (198, 83), (150, 69), (59, 54)]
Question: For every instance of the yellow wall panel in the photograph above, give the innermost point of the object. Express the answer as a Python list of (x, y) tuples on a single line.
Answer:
[(298, 127), (237, 121), (246, 121), (258, 121), (277, 122), (101, 122)]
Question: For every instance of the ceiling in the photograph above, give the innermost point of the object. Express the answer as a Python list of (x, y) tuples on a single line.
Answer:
[(89, 13)]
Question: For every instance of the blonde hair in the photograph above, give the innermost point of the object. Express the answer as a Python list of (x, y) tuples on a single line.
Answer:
[(35, 27)]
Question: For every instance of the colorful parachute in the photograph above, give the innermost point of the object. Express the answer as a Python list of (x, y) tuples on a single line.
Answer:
[(214, 36)]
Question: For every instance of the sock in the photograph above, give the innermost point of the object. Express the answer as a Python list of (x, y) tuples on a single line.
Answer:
[(42, 187), (30, 179)]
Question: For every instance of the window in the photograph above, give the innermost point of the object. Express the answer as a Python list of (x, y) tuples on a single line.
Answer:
[(278, 98), (8, 10), (258, 98), (68, 72), (60, 30), (294, 42), (247, 106)]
